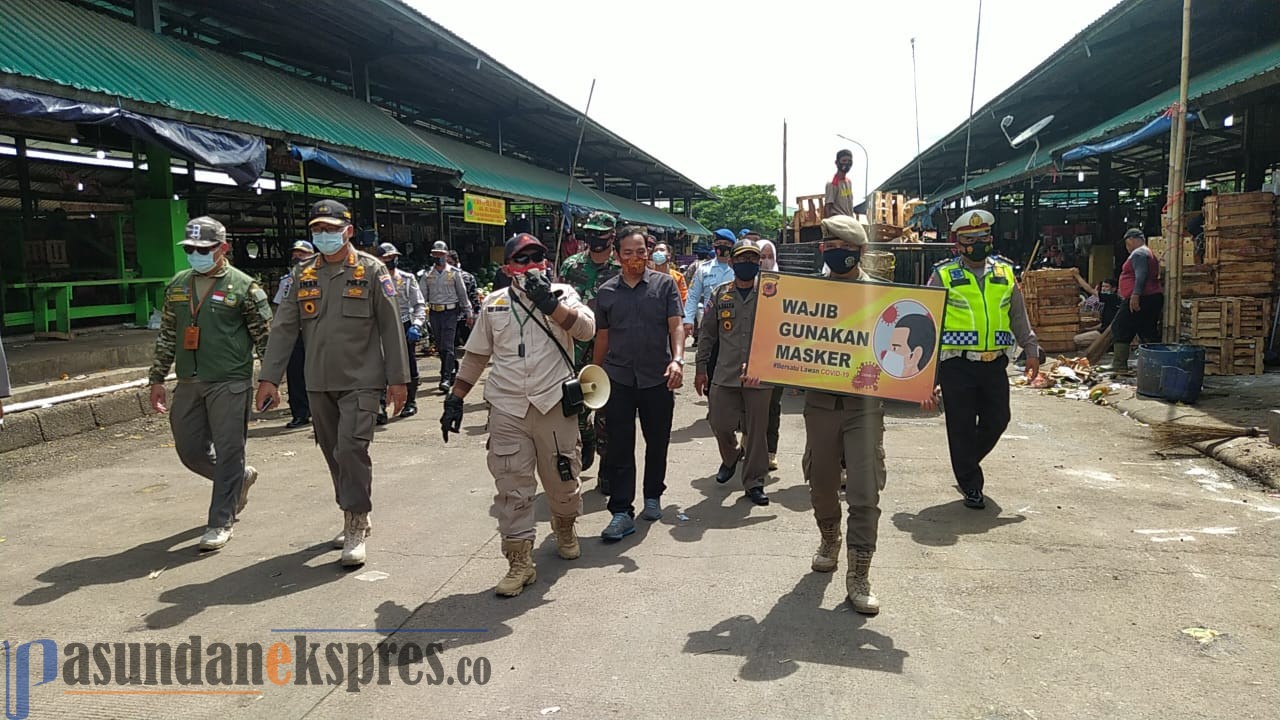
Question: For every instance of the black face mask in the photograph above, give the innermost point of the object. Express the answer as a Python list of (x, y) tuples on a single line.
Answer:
[(841, 260), (844, 167), (977, 251), (391, 264), (598, 244), (723, 250), (746, 270)]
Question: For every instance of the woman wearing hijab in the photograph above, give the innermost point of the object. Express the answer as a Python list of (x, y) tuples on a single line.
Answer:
[(769, 263)]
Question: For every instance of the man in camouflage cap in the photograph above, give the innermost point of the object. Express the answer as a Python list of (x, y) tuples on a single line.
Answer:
[(213, 319), (343, 302), (585, 273)]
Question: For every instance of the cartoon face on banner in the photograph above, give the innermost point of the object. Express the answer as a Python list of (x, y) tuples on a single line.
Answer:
[(905, 339)]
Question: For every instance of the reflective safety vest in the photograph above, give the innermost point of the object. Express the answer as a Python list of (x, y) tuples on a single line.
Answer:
[(977, 318)]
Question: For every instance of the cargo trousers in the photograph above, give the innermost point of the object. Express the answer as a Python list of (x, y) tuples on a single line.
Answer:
[(210, 423), (852, 427), (734, 408), (518, 448), (343, 422)]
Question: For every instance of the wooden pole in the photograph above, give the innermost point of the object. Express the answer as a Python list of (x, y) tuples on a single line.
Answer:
[(785, 221), (568, 190), (1177, 184)]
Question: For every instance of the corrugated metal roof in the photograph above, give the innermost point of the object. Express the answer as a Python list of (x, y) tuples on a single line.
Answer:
[(61, 43), (631, 211), (1220, 78), (513, 178), (693, 226)]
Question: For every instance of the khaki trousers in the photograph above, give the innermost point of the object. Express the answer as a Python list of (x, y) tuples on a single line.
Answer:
[(732, 408), (519, 447), (854, 430), (343, 422), (210, 422)]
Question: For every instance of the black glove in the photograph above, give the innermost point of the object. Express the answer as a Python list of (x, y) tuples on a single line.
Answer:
[(451, 420), (538, 287)]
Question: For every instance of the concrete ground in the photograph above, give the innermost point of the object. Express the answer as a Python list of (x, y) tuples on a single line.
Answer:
[(1068, 597)]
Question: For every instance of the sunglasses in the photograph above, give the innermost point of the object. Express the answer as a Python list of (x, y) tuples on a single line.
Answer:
[(527, 258), (202, 250)]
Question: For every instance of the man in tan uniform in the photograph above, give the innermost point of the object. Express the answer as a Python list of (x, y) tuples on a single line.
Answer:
[(726, 333), (343, 302), (850, 428), (528, 329)]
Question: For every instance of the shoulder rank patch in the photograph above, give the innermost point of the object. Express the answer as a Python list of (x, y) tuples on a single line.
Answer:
[(388, 287)]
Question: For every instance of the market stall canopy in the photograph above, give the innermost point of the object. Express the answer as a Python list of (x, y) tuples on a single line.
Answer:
[(693, 226), (354, 165), (636, 212), (49, 46), (242, 156), (509, 177)]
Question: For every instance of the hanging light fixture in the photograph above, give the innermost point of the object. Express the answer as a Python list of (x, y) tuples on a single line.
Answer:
[(1204, 184), (100, 154), (1228, 121), (93, 216), (79, 186), (259, 190), (1146, 192), (1080, 176), (75, 141)]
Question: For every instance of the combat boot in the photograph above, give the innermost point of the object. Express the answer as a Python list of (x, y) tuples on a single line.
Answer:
[(357, 529), (411, 401), (827, 559), (566, 538), (520, 571), (340, 540), (1120, 359), (858, 583)]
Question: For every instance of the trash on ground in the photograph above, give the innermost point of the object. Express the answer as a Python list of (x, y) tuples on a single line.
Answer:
[(1202, 635)]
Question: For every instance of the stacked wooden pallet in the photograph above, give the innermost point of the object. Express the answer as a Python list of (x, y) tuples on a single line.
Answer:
[(1232, 330), (1240, 242), (1053, 304)]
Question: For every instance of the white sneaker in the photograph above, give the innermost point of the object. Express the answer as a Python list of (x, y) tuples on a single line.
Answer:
[(353, 552), (250, 477), (214, 538)]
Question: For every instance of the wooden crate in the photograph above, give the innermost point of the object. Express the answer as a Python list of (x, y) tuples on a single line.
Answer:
[(1199, 281), (1239, 356), (1256, 247), (1234, 210), (1224, 317)]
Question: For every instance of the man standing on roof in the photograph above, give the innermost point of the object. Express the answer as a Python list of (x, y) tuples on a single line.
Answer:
[(299, 406), (986, 315), (343, 302), (839, 192), (446, 294), (585, 273), (213, 319), (413, 316)]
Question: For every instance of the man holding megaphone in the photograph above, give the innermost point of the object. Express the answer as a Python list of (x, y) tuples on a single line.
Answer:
[(528, 330)]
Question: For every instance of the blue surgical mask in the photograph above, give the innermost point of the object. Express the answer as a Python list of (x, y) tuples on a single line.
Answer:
[(659, 258), (328, 243), (201, 263)]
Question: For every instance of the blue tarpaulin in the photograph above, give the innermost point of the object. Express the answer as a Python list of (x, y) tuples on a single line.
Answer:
[(1155, 128), (354, 166), (241, 156)]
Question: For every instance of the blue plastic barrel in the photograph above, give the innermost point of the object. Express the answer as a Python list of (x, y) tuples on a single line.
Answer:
[(1171, 372)]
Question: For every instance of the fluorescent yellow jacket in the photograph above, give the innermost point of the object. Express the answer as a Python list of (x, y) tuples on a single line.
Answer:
[(977, 317)]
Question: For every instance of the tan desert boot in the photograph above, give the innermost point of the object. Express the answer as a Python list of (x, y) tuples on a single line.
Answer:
[(520, 571)]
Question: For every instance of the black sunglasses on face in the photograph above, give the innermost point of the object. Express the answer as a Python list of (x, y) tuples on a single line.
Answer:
[(527, 258), (202, 250)]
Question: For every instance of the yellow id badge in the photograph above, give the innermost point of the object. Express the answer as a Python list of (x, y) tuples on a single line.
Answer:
[(191, 338)]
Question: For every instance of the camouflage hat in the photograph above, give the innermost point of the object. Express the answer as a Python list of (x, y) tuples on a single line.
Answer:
[(599, 222), (204, 231), (330, 212)]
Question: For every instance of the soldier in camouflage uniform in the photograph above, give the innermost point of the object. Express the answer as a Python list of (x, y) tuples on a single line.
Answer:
[(586, 272), (214, 318)]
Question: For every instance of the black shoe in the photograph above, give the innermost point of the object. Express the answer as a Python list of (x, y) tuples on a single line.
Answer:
[(298, 422), (409, 411), (973, 499), (445, 387), (757, 496), (382, 418), (725, 474)]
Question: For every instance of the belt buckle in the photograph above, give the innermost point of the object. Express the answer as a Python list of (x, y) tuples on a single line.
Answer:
[(437, 308), (989, 356)]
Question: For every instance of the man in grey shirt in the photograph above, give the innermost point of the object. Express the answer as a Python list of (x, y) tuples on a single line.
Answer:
[(640, 344)]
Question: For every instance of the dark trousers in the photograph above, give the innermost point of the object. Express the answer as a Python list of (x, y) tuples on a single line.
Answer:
[(655, 406), (775, 419), (413, 356), (299, 406), (1144, 324), (444, 329), (977, 412)]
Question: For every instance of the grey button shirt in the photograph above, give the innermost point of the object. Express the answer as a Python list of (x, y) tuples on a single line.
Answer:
[(636, 318)]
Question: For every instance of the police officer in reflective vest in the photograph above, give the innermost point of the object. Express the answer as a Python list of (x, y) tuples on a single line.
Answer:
[(986, 315)]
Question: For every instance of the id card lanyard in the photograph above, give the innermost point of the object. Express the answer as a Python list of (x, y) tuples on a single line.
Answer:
[(191, 336)]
